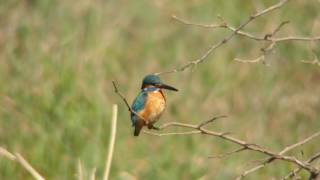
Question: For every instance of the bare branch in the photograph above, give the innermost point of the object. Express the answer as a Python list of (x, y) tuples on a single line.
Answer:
[(211, 120), (285, 150), (228, 38), (297, 170), (276, 30), (293, 38), (239, 31), (261, 58), (267, 37), (121, 95), (225, 25), (249, 146), (300, 143), (265, 51), (210, 26)]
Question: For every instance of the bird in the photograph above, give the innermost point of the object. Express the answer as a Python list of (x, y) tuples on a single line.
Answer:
[(149, 104)]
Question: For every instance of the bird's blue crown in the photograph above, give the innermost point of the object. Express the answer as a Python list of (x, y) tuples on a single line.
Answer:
[(151, 79)]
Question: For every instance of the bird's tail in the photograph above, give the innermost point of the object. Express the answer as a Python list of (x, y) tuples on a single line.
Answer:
[(137, 130)]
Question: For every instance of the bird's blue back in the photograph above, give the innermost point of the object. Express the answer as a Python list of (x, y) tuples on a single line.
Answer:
[(139, 103)]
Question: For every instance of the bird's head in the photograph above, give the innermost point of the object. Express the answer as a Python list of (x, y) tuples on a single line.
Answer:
[(152, 80)]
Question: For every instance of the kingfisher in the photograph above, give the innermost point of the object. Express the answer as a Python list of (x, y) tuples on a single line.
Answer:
[(149, 104)]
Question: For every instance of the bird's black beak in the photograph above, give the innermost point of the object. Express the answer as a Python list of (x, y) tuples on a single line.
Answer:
[(164, 86)]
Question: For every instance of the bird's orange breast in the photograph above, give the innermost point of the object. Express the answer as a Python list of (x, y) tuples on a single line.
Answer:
[(154, 107)]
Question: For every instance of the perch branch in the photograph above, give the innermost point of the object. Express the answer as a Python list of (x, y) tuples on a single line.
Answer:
[(173, 133), (244, 144)]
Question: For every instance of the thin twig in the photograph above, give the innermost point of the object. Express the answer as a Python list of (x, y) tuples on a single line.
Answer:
[(116, 90), (276, 30), (210, 26), (211, 120), (229, 153), (315, 60), (265, 51), (300, 143), (121, 95), (261, 58), (112, 141)]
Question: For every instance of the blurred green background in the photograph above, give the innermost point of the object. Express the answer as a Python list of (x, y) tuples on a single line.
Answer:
[(57, 60)]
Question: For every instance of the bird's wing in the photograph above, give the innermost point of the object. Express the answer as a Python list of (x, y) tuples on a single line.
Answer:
[(138, 105)]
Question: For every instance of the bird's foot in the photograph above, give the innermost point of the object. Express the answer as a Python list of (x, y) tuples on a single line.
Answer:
[(153, 127)]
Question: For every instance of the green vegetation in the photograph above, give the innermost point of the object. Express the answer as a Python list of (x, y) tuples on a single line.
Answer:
[(57, 60)]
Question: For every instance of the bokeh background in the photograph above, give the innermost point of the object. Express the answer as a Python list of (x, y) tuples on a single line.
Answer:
[(57, 60)]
